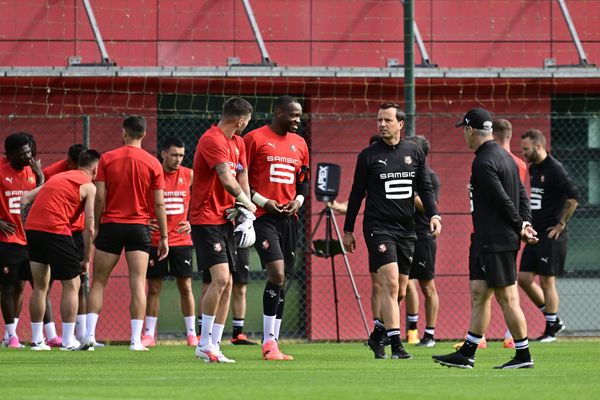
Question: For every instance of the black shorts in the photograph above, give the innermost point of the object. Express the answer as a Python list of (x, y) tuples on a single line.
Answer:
[(547, 257), (58, 251), (498, 268), (78, 240), (14, 263), (113, 237), (178, 263), (276, 238), (389, 247), (423, 264), (214, 245), (242, 268)]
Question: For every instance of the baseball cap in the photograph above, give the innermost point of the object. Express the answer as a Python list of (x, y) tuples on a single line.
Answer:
[(477, 118)]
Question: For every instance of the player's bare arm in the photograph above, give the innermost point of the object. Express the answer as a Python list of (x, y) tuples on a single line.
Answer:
[(88, 194), (232, 186), (161, 218), (556, 230), (185, 226), (99, 204), (36, 167), (26, 202), (7, 228)]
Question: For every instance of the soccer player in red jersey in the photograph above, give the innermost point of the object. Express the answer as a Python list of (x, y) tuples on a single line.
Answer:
[(278, 162), (127, 178), (17, 177), (57, 203), (220, 179), (178, 180)]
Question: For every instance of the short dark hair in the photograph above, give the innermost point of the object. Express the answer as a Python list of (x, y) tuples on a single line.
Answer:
[(15, 141), (87, 157), (421, 141), (374, 139), (535, 135), (502, 128), (135, 126), (400, 116), (283, 102), (74, 152), (172, 141), (236, 107)]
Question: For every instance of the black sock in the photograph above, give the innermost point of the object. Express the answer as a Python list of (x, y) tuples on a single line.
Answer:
[(394, 335), (199, 325), (551, 320), (427, 335), (469, 347), (522, 348), (238, 327), (378, 330), (281, 303), (411, 321), (271, 298)]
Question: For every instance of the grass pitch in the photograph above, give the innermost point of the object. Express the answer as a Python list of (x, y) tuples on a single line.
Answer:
[(565, 369)]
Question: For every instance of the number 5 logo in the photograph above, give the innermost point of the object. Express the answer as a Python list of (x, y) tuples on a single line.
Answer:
[(174, 205), (398, 189), (282, 173), (14, 205), (536, 201)]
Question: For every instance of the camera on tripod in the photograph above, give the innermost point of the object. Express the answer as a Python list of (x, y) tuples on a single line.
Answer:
[(327, 186)]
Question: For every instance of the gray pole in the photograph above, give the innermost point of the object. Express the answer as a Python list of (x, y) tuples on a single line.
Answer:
[(86, 131), (409, 67)]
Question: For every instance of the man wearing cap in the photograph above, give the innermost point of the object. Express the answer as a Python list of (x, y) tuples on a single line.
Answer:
[(501, 216)]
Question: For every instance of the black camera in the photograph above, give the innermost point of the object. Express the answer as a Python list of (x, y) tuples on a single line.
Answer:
[(327, 181)]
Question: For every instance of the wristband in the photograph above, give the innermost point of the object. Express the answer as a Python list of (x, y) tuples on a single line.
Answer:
[(259, 199), (300, 199), (562, 223), (164, 237), (439, 218), (243, 199)]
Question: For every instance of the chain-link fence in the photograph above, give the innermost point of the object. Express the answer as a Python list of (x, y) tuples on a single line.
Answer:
[(310, 312)]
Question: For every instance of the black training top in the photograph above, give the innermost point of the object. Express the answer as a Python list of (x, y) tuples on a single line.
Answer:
[(499, 204), (421, 220), (390, 175), (550, 188)]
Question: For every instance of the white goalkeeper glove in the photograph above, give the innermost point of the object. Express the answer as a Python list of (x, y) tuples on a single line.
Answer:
[(244, 233), (239, 213)]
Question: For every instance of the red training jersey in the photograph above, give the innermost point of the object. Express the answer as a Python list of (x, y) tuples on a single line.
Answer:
[(522, 165), (177, 201), (57, 168), (58, 203), (130, 174), (209, 197), (274, 162), (13, 185)]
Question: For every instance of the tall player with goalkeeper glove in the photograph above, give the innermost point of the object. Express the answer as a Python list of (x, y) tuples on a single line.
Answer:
[(278, 173)]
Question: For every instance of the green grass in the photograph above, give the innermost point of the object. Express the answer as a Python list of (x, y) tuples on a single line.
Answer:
[(566, 369)]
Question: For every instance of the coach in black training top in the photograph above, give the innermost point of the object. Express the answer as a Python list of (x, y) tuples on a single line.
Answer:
[(389, 171), (554, 198), (501, 217)]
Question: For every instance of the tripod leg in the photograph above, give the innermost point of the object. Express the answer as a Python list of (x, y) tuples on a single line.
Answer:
[(349, 270)]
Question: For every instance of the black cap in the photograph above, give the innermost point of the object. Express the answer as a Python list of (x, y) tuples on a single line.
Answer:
[(477, 118)]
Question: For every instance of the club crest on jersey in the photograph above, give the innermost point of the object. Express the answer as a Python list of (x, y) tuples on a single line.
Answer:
[(180, 181), (217, 247), (237, 152), (382, 248), (5, 270), (407, 160), (542, 178), (265, 244), (293, 148)]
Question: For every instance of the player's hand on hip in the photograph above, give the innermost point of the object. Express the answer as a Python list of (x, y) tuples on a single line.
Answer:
[(153, 225), (184, 227), (162, 250), (8, 228), (272, 207), (292, 207), (555, 231), (349, 242), (436, 227)]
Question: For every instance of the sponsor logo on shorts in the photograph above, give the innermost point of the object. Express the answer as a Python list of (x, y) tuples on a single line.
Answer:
[(544, 259), (217, 247), (382, 248), (151, 263), (5, 270), (188, 262), (422, 264), (265, 244)]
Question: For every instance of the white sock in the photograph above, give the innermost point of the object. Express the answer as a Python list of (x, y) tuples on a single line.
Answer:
[(190, 325), (207, 327), (16, 319), (37, 335), (268, 327), (150, 326), (50, 330), (91, 320), (11, 330), (136, 331), (507, 335), (80, 326), (217, 334), (277, 328), (68, 333)]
